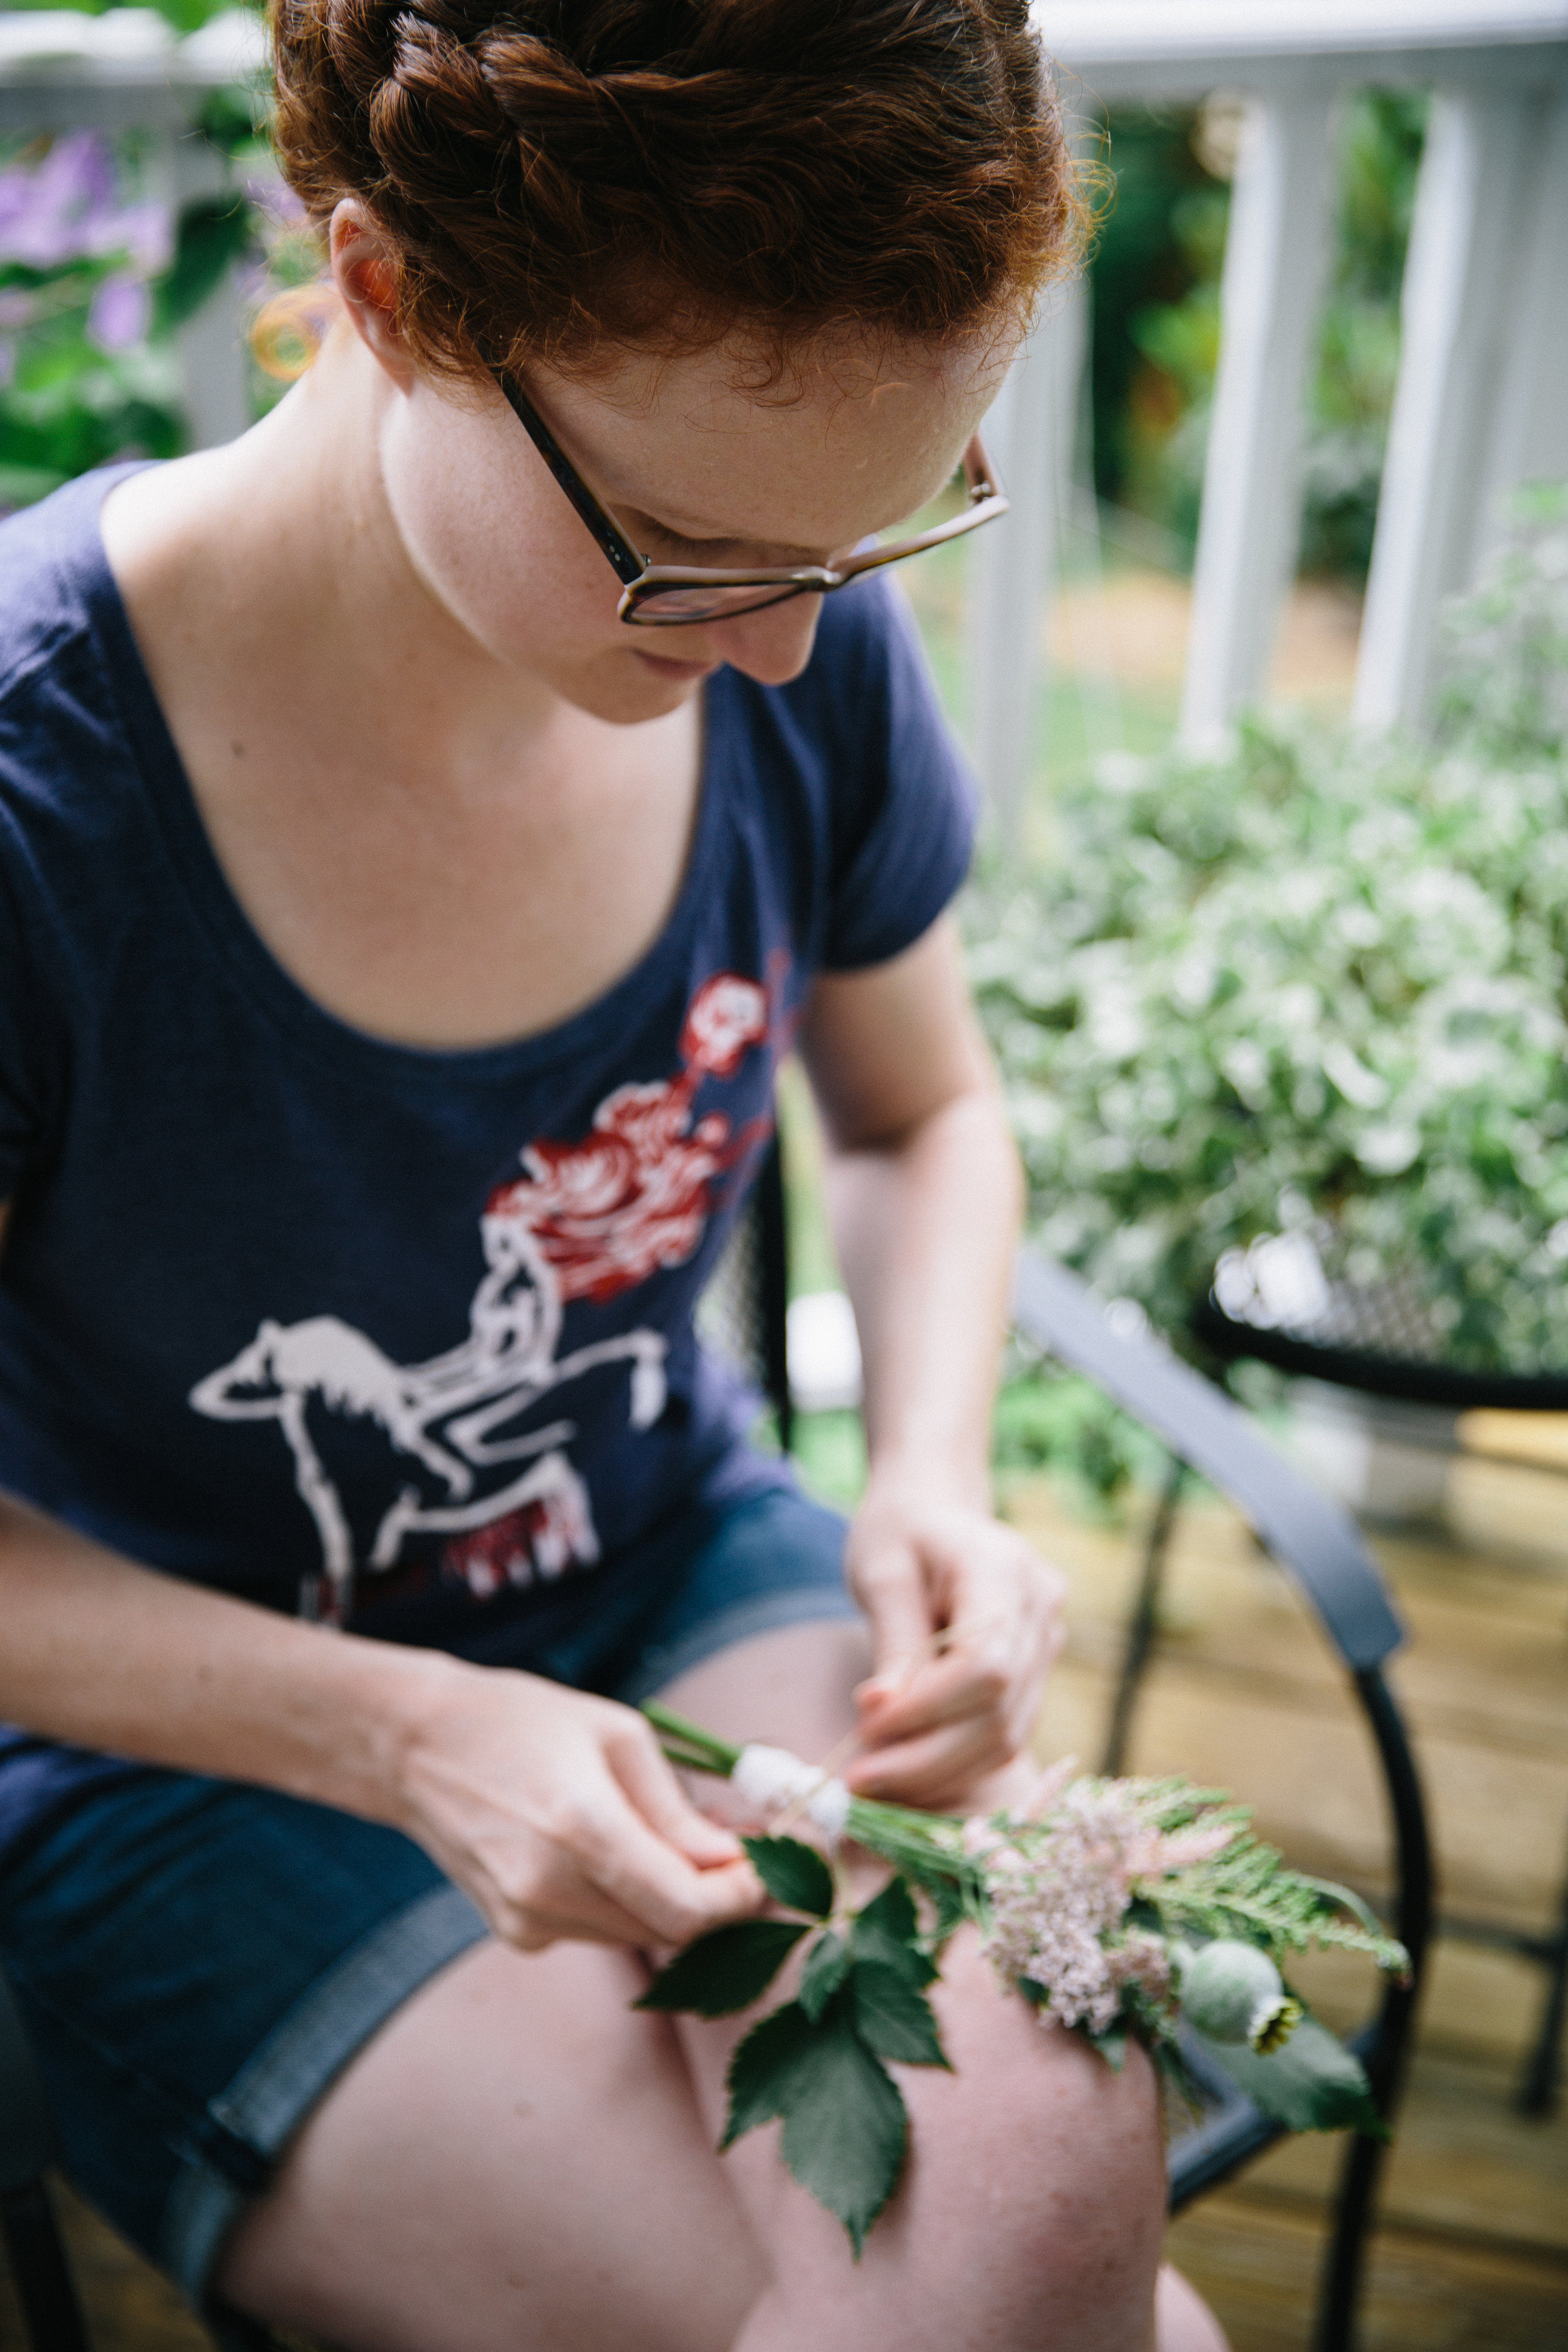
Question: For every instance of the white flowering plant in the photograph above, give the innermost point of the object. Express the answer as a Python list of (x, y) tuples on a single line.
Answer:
[(1128, 1909), (1314, 984)]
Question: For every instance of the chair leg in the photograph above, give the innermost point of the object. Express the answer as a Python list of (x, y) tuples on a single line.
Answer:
[(1538, 2091), (1337, 2311), (1144, 1622), (44, 2286)]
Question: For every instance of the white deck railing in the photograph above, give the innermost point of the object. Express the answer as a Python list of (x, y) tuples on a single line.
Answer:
[(1482, 395)]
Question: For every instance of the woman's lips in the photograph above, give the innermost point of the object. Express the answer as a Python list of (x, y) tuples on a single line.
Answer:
[(675, 673)]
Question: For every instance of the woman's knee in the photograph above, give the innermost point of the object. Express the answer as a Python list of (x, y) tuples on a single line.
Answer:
[(1030, 2211)]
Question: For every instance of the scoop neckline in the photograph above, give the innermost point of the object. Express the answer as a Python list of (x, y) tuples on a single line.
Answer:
[(250, 962)]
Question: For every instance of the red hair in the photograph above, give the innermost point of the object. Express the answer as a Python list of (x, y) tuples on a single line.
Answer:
[(575, 174)]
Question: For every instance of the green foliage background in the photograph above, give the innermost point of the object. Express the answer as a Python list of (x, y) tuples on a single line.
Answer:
[(1315, 981), (1155, 276)]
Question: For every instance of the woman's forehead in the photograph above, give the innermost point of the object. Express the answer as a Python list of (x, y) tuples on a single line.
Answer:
[(688, 441)]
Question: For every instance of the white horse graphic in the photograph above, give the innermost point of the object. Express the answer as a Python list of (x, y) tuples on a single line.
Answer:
[(586, 1220)]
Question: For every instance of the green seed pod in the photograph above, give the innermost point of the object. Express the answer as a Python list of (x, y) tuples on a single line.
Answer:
[(1233, 1993)]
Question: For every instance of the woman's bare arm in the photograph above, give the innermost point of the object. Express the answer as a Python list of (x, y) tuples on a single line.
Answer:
[(555, 1811), (924, 1191)]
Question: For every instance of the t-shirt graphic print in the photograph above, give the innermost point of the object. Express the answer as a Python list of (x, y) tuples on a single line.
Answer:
[(585, 1220)]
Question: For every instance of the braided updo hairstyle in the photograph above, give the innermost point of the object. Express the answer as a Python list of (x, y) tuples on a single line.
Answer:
[(558, 175)]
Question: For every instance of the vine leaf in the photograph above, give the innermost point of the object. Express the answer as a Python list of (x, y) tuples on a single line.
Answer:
[(826, 1966), (845, 2125), (762, 2069), (887, 1931), (793, 1873), (726, 1969), (892, 2016), (1312, 2083)]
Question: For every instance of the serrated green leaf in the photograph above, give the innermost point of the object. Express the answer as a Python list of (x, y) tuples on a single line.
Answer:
[(887, 1931), (826, 1966), (726, 1970), (846, 2127), (1312, 2082), (762, 2068), (845, 2124), (892, 2016), (793, 1873)]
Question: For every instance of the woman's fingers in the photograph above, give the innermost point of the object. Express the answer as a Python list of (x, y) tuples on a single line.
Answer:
[(936, 1767), (650, 1782), (891, 1590)]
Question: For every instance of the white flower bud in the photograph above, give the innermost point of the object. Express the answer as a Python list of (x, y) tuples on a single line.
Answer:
[(1233, 1993)]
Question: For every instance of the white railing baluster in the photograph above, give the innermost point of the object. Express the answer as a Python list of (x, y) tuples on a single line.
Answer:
[(211, 345), (1529, 438), (1014, 563), (1270, 298), (1472, 206)]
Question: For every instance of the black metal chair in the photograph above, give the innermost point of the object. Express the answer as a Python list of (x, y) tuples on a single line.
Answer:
[(1321, 1548), (1381, 1342)]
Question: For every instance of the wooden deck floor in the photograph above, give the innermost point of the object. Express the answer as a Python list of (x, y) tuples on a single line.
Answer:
[(1472, 2249)]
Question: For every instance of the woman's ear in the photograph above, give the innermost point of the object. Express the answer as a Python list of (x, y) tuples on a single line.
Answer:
[(365, 275)]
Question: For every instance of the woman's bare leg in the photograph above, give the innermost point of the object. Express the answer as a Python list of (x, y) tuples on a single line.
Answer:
[(514, 2164), (519, 2161)]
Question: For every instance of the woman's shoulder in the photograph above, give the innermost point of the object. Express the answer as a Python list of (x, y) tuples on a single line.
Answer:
[(64, 648), (53, 581)]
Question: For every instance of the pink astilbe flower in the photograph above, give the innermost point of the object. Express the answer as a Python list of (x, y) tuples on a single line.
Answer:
[(1060, 1871)]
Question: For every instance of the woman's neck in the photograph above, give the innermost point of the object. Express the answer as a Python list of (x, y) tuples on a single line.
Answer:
[(284, 548)]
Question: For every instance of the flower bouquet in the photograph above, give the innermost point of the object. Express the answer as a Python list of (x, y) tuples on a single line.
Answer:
[(1118, 1908)]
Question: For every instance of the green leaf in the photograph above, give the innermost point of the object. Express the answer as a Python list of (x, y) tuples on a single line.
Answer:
[(725, 1970), (892, 2016), (213, 233), (826, 1966), (762, 2068), (794, 1875), (950, 1907), (1312, 2083), (886, 1930), (845, 2125), (1112, 2046)]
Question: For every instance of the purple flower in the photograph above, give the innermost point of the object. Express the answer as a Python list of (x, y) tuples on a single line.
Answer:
[(65, 209), (121, 312)]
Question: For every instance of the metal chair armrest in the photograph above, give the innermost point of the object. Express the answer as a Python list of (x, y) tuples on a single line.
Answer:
[(1317, 1543)]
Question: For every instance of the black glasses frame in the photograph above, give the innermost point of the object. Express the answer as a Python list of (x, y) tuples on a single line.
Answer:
[(641, 580)]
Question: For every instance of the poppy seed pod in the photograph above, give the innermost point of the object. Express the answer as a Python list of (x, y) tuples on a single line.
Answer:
[(1234, 1992)]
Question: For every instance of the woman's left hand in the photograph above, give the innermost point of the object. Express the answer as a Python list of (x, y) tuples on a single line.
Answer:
[(967, 1622)]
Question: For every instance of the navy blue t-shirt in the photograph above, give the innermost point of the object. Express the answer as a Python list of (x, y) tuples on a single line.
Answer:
[(328, 1321)]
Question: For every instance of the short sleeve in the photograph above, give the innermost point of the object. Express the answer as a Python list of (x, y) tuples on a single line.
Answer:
[(904, 821)]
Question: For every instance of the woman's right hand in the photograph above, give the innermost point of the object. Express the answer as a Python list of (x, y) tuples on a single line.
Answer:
[(558, 1814)]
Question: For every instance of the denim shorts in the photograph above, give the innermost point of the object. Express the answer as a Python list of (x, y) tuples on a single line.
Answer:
[(196, 1960)]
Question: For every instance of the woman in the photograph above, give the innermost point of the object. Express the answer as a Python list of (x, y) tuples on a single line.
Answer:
[(399, 945)]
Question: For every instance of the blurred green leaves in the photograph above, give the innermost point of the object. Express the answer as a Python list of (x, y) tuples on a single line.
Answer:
[(1312, 981)]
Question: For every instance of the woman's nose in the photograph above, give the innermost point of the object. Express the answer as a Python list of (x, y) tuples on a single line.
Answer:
[(772, 645)]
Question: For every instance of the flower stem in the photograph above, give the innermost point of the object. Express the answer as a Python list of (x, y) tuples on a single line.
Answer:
[(688, 1745)]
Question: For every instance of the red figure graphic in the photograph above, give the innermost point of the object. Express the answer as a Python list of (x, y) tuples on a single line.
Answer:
[(586, 1220)]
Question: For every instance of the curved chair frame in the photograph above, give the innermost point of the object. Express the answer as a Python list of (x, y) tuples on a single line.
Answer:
[(1321, 1548)]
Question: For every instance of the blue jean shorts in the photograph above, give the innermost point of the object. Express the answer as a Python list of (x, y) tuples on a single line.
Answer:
[(196, 1960)]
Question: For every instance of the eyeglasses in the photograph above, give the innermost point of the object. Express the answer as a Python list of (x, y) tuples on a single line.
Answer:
[(671, 595)]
